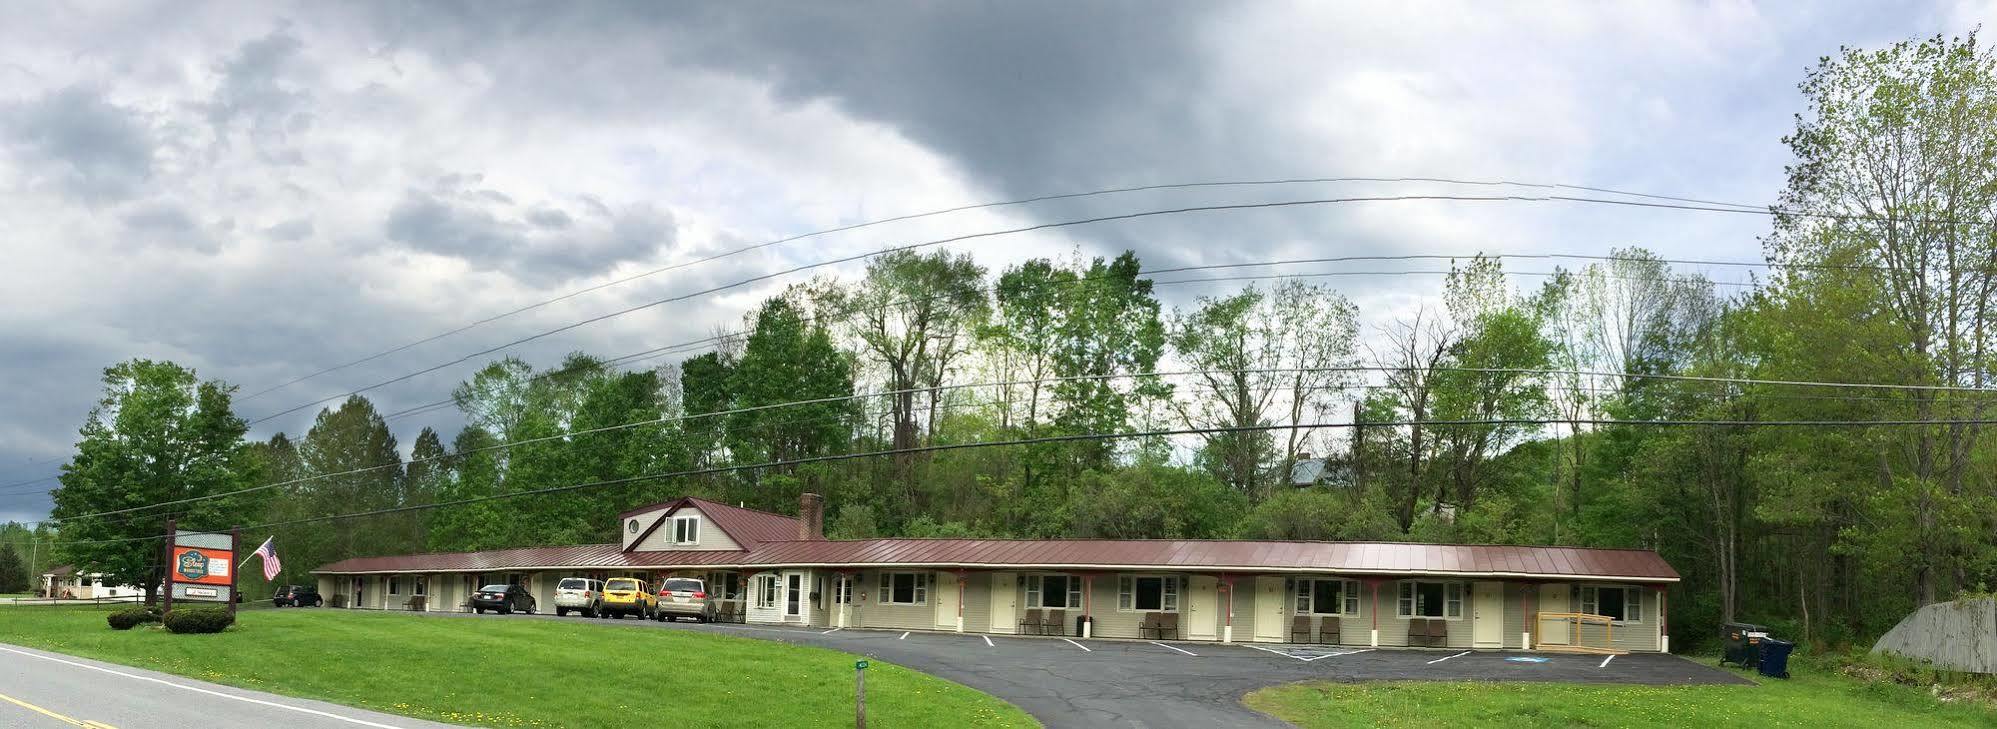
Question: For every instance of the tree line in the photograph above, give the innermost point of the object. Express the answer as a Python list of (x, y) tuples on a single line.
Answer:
[(1625, 403)]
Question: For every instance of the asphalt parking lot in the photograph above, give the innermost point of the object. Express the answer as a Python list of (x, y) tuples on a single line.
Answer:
[(1072, 682)]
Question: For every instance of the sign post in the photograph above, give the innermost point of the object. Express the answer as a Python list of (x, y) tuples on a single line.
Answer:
[(166, 568), (235, 534), (860, 694)]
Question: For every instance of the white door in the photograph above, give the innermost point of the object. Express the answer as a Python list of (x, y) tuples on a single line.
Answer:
[(794, 598), (1487, 615), (842, 600), (1203, 616), (1552, 599), (1269, 614), (1005, 602), (943, 594)]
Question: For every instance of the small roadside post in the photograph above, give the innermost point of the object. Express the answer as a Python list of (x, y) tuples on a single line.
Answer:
[(860, 694)]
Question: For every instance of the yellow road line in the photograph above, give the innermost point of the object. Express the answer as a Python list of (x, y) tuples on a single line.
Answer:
[(55, 716)]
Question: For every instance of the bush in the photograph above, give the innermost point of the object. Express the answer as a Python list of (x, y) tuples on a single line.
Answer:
[(199, 620), (132, 617)]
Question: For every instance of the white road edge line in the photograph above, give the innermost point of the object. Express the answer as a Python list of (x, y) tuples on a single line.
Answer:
[(1181, 650), (197, 689), (904, 636), (834, 630), (988, 641), (1078, 645), (1445, 658), (1605, 662)]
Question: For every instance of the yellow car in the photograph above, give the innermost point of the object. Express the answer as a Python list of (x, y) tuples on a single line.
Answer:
[(628, 596)]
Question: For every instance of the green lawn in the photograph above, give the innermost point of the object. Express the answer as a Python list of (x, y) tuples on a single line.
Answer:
[(521, 672), (1814, 699)]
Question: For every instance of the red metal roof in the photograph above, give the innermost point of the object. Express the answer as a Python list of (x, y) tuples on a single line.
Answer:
[(1375, 558), (746, 526)]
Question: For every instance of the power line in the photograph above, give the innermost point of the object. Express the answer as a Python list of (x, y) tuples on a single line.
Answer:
[(966, 208)]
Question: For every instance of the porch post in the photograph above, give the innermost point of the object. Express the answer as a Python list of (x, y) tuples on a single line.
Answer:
[(1088, 599), (1375, 640), (961, 577), (1227, 584), (1525, 616), (1663, 627)]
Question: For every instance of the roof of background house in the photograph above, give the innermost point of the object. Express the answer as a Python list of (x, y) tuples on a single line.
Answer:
[(60, 571), (1354, 558), (1306, 471)]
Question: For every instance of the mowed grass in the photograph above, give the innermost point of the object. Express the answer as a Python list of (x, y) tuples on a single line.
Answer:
[(1811, 699), (496, 672)]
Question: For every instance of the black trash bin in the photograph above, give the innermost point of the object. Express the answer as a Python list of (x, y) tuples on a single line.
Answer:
[(1775, 657), (1742, 642), (1081, 620)]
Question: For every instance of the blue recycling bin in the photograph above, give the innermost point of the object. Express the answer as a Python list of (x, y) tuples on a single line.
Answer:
[(1775, 657)]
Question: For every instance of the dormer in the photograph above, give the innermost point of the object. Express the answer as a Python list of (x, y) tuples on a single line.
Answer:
[(691, 524)]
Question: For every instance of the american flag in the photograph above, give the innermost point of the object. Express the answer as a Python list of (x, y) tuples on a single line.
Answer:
[(271, 565)]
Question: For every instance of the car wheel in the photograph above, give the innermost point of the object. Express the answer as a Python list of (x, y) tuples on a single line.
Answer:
[(561, 612), (316, 602), (531, 607), (479, 610)]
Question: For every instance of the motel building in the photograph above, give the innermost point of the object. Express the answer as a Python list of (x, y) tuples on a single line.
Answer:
[(775, 569)]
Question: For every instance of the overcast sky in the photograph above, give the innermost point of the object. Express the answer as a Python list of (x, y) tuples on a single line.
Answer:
[(262, 190)]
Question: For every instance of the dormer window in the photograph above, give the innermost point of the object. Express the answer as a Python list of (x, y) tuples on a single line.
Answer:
[(632, 527), (686, 530)]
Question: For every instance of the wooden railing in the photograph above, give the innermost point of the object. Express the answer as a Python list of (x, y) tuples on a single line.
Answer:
[(1573, 622)]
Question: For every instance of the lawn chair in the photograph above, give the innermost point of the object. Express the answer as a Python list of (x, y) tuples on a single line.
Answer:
[(1150, 626), (1055, 620), (1030, 622), (414, 603), (1327, 630), (1438, 634), (1300, 625), (1418, 632), (1168, 622)]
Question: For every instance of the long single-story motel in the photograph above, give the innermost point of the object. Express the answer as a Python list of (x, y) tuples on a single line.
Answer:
[(771, 568)]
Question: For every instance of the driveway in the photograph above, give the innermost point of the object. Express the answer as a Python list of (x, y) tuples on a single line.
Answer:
[(1119, 683)]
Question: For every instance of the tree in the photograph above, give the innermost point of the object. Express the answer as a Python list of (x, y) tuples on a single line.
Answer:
[(786, 360), (353, 465), (13, 573), (159, 434)]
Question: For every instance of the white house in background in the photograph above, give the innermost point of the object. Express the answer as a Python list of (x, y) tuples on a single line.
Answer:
[(64, 582)]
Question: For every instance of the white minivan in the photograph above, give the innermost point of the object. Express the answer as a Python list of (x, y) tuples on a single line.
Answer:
[(579, 594)]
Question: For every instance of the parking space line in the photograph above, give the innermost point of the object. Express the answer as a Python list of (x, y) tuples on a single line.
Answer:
[(1181, 650), (1445, 658), (834, 630), (904, 636), (1277, 652), (1605, 662), (1078, 645), (988, 641), (1335, 655)]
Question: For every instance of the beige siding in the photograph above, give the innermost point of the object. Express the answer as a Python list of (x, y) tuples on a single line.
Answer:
[(977, 602), (661, 539), (1243, 607)]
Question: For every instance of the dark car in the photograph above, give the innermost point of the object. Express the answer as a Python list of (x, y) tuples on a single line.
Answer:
[(503, 599), (297, 596)]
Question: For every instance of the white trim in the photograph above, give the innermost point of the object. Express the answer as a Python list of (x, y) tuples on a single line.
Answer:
[(1430, 575), (199, 690), (691, 518)]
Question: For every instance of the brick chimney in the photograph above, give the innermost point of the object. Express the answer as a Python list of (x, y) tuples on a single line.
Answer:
[(810, 516)]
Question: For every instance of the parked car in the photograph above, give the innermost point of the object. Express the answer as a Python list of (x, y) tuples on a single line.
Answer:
[(627, 596), (503, 599), (684, 597), (297, 596), (579, 594)]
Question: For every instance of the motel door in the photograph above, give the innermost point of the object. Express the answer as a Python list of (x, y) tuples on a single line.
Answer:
[(1269, 622), (358, 582), (1487, 614), (1005, 596), (1552, 599), (793, 596), (846, 612), (1203, 608), (943, 592)]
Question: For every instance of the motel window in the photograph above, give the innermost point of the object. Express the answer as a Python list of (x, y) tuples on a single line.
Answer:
[(1327, 597), (1431, 600), (1623, 604), (1147, 594), (421, 585), (1053, 591), (904, 588), (686, 530), (766, 591), (394, 585)]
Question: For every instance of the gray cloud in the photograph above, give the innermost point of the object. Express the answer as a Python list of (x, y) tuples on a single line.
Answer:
[(544, 246), (290, 230), (91, 148)]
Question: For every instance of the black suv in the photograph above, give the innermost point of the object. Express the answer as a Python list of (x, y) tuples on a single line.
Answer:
[(297, 596)]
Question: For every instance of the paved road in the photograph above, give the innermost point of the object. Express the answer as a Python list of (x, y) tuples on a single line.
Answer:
[(1171, 684), (41, 689)]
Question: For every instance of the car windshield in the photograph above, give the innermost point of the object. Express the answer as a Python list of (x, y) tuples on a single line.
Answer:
[(621, 585), (682, 586), (574, 583), (492, 588)]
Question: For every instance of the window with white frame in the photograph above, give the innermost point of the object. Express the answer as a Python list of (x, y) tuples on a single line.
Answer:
[(394, 584), (422, 586), (1431, 600), (725, 585), (904, 588), (1137, 593), (766, 591), (1053, 591), (1623, 604), (686, 530), (1327, 597)]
